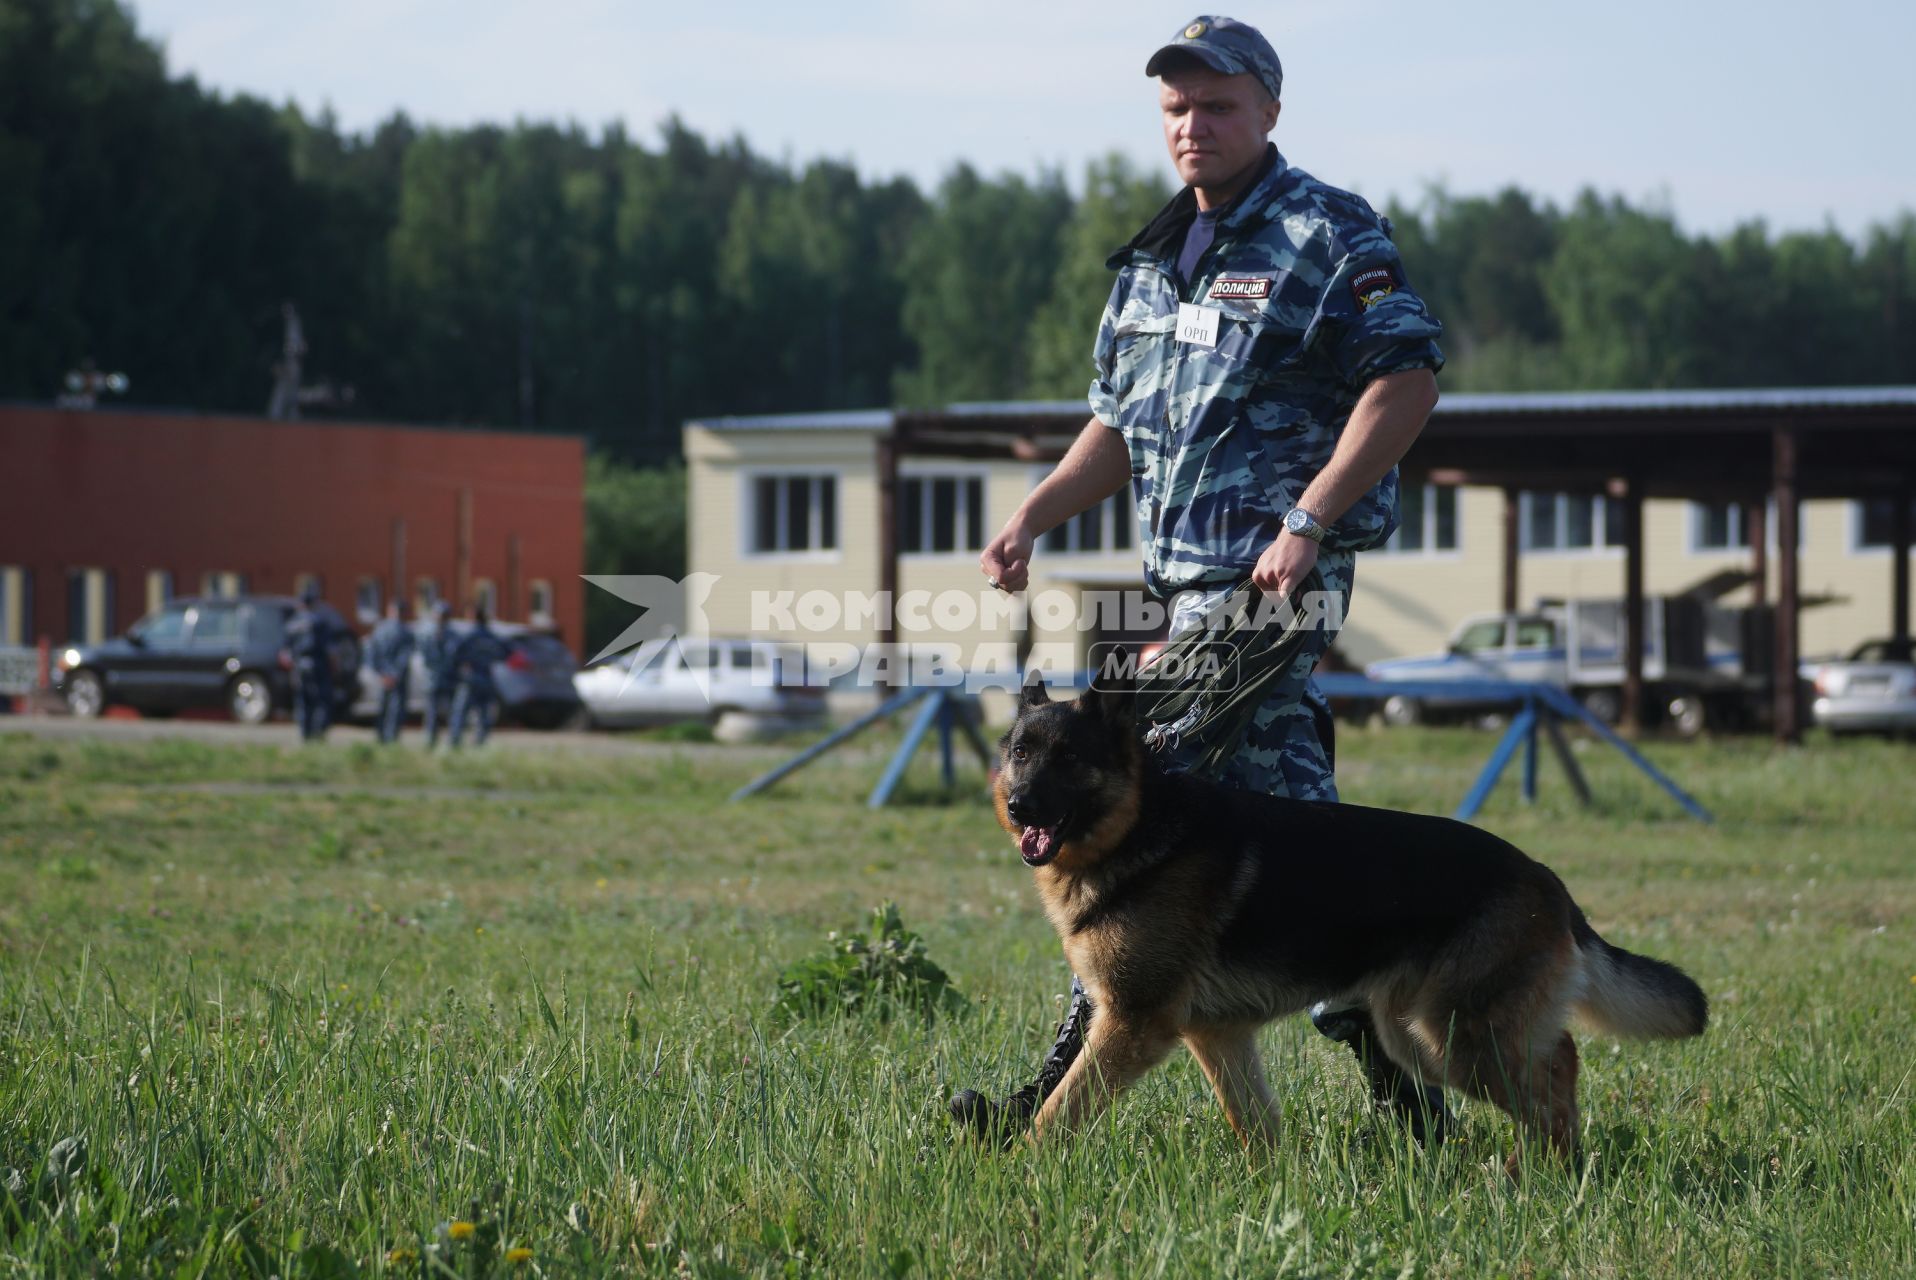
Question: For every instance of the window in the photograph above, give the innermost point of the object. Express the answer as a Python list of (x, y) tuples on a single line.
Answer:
[(217, 626), (16, 605), (425, 595), (222, 584), (368, 599), (1569, 522), (163, 630), (485, 596), (1872, 519), (1718, 526), (794, 513), (301, 581), (159, 588), (89, 605), (1105, 527), (1535, 633), (539, 594), (939, 514), (1428, 519), (1485, 633)]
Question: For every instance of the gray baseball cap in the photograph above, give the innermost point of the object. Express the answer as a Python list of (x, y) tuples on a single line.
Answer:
[(1226, 46)]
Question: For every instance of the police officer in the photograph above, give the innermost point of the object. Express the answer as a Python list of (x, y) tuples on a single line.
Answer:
[(310, 634), (1261, 366), (390, 651), (440, 652), (477, 696)]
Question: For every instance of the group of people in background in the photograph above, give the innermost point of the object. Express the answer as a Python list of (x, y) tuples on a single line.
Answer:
[(458, 664)]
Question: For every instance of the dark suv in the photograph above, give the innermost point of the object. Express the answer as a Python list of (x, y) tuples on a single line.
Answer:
[(202, 652)]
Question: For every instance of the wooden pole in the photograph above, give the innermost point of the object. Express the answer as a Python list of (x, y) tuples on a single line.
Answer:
[(888, 448), (1633, 604), (1899, 536), (1788, 723), (1512, 546), (1756, 521), (462, 554)]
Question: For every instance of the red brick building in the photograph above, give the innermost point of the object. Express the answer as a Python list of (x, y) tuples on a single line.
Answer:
[(105, 514)]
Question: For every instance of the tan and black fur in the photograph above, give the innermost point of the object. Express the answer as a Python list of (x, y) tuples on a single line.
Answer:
[(1197, 913)]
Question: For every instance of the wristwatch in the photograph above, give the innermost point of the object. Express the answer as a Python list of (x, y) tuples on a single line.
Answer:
[(1304, 525)]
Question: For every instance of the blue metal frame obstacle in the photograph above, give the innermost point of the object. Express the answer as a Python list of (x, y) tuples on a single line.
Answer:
[(949, 709), (1538, 707)]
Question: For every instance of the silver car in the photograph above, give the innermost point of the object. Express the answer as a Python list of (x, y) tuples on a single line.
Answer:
[(699, 679), (1871, 691)]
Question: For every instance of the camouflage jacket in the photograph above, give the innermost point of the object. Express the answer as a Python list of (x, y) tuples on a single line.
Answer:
[(390, 649), (1311, 304)]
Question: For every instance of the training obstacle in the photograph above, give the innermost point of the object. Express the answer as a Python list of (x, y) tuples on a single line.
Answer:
[(951, 710)]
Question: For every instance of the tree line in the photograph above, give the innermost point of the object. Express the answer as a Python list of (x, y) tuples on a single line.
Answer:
[(556, 278)]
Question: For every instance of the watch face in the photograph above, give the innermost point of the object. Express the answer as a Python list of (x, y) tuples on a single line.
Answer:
[(1295, 521)]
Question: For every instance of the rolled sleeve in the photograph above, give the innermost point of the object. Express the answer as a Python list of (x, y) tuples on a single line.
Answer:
[(1375, 322)]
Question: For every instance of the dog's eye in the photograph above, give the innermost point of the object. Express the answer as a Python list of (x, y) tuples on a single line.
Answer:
[(1017, 753)]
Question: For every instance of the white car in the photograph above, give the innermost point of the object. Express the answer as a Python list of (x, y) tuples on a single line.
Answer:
[(668, 680), (1871, 691)]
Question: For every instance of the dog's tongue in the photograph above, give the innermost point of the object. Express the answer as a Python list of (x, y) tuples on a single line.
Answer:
[(1035, 843)]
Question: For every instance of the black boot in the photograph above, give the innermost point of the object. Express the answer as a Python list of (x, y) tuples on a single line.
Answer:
[(1004, 1121), (1418, 1107)]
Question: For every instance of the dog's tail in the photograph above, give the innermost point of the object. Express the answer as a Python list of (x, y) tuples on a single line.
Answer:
[(1625, 994)]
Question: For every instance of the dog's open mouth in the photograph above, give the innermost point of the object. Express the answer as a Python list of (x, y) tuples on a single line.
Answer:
[(1039, 845)]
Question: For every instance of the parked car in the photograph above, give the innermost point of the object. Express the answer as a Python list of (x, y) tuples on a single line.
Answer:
[(534, 681), (665, 680), (227, 652), (1873, 690)]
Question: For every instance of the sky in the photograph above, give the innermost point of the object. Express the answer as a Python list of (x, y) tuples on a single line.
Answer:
[(1800, 115)]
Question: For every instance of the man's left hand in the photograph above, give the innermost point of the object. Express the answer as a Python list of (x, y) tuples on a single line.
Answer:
[(1284, 565)]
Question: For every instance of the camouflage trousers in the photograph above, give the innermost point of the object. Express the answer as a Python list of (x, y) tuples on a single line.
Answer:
[(1284, 752)]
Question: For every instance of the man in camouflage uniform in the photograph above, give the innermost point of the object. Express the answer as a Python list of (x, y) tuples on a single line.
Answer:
[(440, 652), (478, 696), (389, 652), (1261, 367), (309, 639)]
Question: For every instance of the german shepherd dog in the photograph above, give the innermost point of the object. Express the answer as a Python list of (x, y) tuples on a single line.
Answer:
[(1197, 912)]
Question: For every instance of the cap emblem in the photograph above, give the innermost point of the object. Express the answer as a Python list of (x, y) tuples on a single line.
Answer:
[(1193, 31)]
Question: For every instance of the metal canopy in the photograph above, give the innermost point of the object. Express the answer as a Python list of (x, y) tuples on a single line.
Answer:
[(1767, 447)]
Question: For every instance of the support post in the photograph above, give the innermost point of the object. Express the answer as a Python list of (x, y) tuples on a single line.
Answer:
[(1786, 708), (1511, 548), (462, 552), (888, 448), (1633, 604), (1756, 519), (1899, 535), (399, 592)]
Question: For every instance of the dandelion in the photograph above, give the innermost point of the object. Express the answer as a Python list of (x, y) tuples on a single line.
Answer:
[(460, 1230), (518, 1254), (478, 931), (600, 883), (399, 1256)]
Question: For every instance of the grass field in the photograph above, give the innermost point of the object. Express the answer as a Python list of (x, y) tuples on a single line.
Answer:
[(334, 1012)]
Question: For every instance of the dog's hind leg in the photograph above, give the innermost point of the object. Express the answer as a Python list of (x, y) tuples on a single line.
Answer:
[(1117, 1051), (1230, 1059)]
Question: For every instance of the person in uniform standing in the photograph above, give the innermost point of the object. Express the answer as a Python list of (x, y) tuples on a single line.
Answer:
[(1261, 366), (477, 696), (390, 652), (440, 652), (309, 639)]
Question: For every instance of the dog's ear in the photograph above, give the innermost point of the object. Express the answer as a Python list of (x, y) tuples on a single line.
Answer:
[(1033, 694), (1114, 686)]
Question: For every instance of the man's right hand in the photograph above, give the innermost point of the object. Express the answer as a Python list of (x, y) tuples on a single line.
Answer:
[(1007, 558)]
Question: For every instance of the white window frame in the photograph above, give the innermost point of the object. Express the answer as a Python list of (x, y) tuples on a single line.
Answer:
[(369, 584), (1693, 540), (159, 589), (1108, 522), (1599, 519), (1857, 547), (485, 595), (1430, 550), (222, 584), (539, 600), (748, 512), (425, 595), (924, 476)]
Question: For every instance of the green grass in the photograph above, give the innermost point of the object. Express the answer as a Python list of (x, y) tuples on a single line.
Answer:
[(308, 1008)]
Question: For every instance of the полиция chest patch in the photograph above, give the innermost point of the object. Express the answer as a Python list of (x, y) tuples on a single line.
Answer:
[(1228, 287)]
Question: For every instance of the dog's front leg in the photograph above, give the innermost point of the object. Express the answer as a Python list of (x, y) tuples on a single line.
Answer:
[(1118, 1049)]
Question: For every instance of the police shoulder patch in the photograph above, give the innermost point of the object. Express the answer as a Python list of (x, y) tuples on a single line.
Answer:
[(1240, 287), (1372, 285)]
